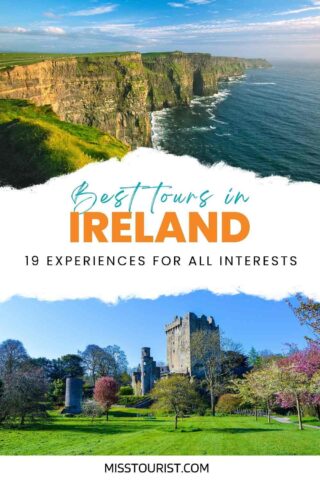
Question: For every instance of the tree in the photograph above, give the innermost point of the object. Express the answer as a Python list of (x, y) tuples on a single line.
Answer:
[(234, 364), (41, 362), (57, 389), (254, 358), (97, 362), (295, 384), (72, 365), (57, 371), (228, 403), (120, 359), (206, 349), (260, 386), (91, 408), (105, 393), (2, 412), (315, 383), (125, 378), (308, 313), (247, 389), (12, 356), (176, 394), (300, 368), (23, 392)]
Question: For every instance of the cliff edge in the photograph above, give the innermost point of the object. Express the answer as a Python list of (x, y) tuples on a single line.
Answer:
[(116, 92)]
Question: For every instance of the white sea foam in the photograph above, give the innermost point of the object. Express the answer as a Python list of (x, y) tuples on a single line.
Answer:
[(157, 127), (262, 83), (223, 134), (198, 129), (201, 129), (221, 96), (220, 121), (236, 78), (158, 119), (196, 101)]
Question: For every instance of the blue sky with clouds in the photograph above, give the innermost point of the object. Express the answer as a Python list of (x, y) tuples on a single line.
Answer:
[(52, 329), (282, 28)]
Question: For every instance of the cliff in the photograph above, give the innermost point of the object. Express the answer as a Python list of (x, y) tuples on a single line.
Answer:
[(115, 93)]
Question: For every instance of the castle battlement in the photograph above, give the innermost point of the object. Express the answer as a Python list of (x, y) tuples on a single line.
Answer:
[(180, 358), (179, 331), (174, 324)]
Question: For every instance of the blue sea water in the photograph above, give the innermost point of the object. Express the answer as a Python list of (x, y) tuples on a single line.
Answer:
[(267, 121)]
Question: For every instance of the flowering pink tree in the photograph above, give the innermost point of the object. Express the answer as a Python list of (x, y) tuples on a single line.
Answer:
[(304, 363), (105, 393)]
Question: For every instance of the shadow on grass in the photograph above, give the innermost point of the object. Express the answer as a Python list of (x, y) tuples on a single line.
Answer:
[(103, 428), (316, 423), (127, 414)]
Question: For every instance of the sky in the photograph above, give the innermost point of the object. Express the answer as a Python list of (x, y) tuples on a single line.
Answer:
[(252, 28), (52, 329)]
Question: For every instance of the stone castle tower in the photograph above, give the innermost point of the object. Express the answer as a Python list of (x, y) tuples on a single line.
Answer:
[(150, 373), (179, 355)]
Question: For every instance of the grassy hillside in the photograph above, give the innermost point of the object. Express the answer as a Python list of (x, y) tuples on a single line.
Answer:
[(126, 433), (35, 145)]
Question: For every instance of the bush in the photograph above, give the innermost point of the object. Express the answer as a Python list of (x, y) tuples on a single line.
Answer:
[(91, 408), (227, 403), (126, 390)]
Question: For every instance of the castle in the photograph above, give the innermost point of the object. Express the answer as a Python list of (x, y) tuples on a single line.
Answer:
[(180, 357)]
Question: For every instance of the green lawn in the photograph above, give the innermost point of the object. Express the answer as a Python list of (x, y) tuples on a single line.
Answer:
[(129, 434)]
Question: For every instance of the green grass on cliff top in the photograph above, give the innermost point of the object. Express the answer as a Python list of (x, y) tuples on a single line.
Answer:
[(9, 60), (36, 146), (129, 434)]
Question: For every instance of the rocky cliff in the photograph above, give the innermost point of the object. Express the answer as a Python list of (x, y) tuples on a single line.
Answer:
[(115, 93)]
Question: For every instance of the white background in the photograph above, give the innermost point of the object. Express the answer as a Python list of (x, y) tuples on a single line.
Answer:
[(284, 219)]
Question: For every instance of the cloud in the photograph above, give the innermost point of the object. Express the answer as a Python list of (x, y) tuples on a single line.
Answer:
[(183, 36), (189, 2), (50, 15), (177, 5), (218, 27), (299, 10), (54, 30), (93, 11), (199, 2), (13, 30)]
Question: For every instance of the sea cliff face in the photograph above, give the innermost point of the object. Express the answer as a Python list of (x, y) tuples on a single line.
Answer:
[(115, 93)]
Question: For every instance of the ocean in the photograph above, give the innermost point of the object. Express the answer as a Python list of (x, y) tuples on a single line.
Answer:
[(267, 121)]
